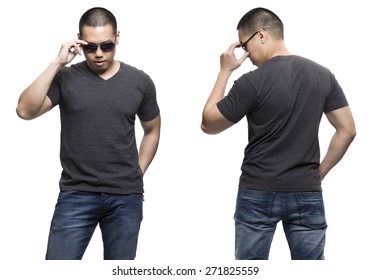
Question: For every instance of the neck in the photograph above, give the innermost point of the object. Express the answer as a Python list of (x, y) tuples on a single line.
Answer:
[(110, 71), (279, 49)]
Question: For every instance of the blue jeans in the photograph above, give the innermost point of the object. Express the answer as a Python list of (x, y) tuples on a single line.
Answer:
[(78, 213), (303, 219)]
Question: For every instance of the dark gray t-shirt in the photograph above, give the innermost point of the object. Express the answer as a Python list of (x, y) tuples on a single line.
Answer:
[(98, 146), (283, 101)]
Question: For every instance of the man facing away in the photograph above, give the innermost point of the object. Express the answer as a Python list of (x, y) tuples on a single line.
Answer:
[(102, 178), (283, 101)]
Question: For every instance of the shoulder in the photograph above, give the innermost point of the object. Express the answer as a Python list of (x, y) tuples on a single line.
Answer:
[(137, 76), (73, 68), (292, 65), (77, 66), (129, 69), (299, 60)]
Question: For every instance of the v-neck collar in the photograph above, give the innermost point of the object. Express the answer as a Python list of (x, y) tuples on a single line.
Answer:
[(103, 79)]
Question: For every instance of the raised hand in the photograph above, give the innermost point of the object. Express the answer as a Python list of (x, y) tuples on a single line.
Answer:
[(69, 50), (228, 59)]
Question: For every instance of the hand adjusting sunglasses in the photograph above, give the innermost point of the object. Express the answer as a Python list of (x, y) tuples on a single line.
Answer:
[(105, 47)]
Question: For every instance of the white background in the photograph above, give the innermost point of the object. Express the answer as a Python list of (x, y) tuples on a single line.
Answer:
[(192, 183)]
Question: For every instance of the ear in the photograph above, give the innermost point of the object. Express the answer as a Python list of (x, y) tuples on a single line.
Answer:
[(263, 36), (78, 36), (117, 37)]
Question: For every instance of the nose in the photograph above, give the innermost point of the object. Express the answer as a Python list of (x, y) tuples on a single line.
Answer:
[(98, 52)]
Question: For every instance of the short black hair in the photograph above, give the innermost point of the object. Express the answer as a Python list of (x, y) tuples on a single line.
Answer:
[(261, 18), (98, 16)]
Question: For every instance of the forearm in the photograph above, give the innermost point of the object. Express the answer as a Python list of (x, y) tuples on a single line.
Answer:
[(213, 121), (209, 120), (148, 149), (339, 144), (218, 91), (32, 98)]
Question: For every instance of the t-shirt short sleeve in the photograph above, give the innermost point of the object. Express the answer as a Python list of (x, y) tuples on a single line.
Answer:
[(149, 108), (54, 93), (239, 101), (336, 98)]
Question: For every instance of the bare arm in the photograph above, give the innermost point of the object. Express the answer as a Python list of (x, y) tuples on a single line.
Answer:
[(342, 121), (213, 121), (33, 101), (149, 143)]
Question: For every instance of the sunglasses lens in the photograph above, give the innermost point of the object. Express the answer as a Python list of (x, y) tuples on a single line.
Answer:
[(107, 47), (90, 48)]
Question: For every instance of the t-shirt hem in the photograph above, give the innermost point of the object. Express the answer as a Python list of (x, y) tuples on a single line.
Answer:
[(150, 117), (108, 190), (282, 188), (225, 112)]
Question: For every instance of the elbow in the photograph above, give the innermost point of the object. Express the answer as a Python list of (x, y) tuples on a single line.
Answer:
[(208, 123), (214, 125), (349, 134), (204, 128), (23, 114), (209, 128), (352, 134)]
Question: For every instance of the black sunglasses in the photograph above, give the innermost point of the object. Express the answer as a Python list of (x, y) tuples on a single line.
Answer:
[(105, 47), (244, 45)]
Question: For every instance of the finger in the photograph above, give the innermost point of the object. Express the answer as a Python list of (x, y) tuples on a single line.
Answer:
[(230, 50), (73, 49), (243, 57), (71, 46), (234, 46), (81, 43)]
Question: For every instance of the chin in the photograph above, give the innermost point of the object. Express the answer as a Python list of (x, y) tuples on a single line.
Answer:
[(97, 69)]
